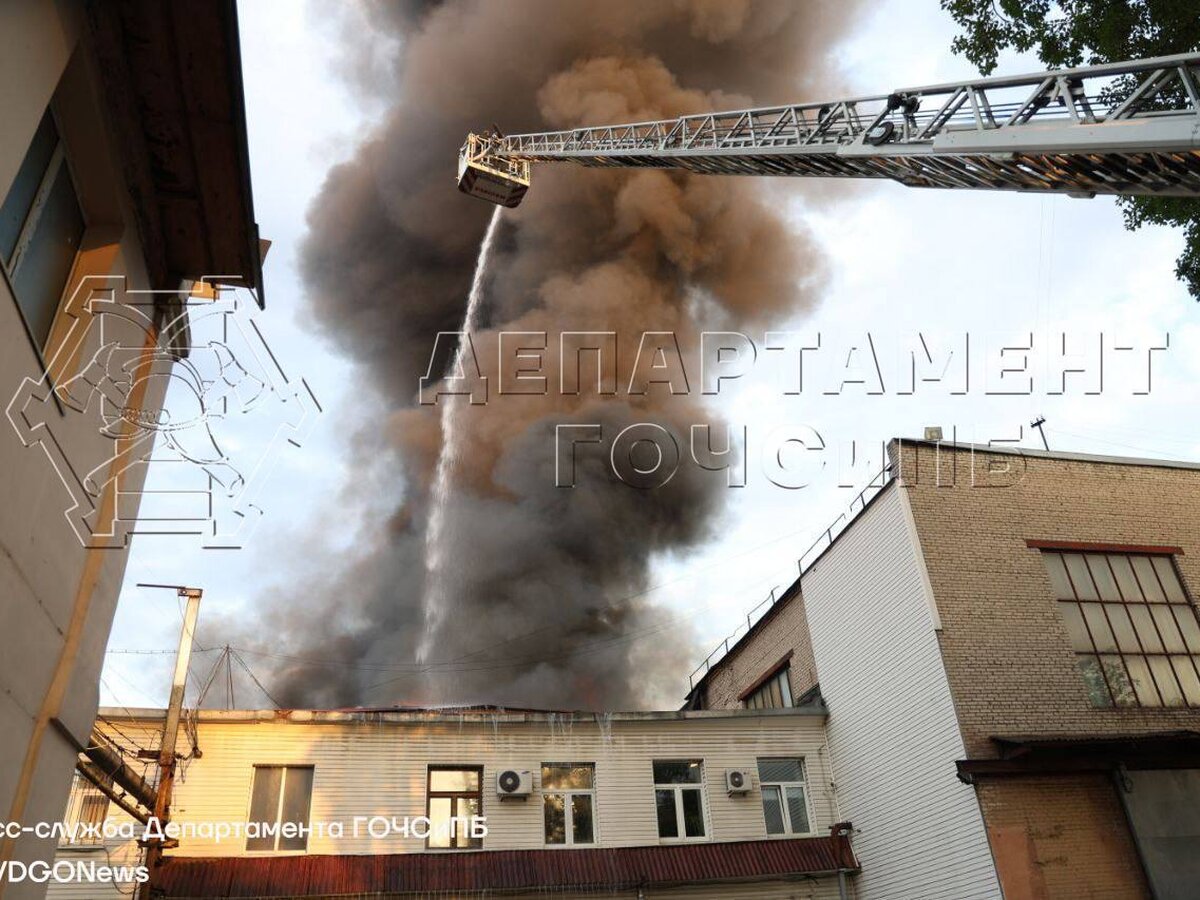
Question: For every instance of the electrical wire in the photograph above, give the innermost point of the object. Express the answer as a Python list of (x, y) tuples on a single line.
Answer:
[(242, 663)]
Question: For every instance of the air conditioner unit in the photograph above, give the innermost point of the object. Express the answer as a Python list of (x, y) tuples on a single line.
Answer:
[(738, 781), (514, 783)]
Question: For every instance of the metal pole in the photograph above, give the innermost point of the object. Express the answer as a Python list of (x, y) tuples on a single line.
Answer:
[(170, 734), (1038, 423)]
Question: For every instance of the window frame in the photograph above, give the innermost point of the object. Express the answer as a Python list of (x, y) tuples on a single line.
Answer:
[(1089, 597), (568, 811), (85, 796), (778, 676), (678, 789), (60, 161), (276, 850), (474, 843), (781, 787)]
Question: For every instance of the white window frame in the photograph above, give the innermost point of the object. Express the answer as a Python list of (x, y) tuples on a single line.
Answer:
[(702, 787), (568, 813), (782, 787), (279, 805)]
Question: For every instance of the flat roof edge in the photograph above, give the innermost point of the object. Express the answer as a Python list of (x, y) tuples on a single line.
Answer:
[(1068, 455), (405, 717)]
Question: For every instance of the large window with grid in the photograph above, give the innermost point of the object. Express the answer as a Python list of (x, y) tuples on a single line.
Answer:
[(1132, 626)]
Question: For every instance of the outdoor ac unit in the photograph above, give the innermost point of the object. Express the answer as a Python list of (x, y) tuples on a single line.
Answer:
[(738, 781), (514, 783)]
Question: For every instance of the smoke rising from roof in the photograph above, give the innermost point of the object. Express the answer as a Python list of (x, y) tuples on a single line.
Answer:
[(550, 605)]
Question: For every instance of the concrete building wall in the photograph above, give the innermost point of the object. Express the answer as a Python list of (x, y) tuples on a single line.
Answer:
[(58, 597), (892, 731), (1005, 646), (781, 631)]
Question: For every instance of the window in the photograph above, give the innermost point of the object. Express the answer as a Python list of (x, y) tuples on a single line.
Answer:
[(280, 794), (88, 806), (569, 802), (41, 227), (784, 797), (774, 693), (455, 795), (679, 798), (1135, 633)]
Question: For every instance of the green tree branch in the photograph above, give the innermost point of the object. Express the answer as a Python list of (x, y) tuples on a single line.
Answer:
[(1086, 32)]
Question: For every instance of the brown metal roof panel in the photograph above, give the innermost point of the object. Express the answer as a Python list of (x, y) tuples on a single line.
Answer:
[(502, 870)]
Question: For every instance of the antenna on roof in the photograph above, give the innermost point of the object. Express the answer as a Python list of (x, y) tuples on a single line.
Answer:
[(1038, 423)]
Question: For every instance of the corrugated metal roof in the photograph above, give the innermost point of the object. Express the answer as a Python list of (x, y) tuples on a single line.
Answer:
[(503, 870)]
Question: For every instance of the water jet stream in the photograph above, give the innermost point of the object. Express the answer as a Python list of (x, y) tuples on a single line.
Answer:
[(437, 539)]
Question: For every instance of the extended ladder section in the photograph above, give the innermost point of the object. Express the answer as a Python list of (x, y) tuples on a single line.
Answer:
[(1130, 128)]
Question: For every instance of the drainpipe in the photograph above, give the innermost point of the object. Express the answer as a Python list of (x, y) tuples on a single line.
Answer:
[(840, 833)]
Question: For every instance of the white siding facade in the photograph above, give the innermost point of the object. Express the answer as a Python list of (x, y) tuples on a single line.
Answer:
[(368, 764), (892, 730), (363, 769)]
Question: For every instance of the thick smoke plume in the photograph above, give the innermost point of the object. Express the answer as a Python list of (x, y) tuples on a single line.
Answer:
[(549, 606)]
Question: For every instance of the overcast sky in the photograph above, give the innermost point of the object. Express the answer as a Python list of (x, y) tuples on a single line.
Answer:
[(947, 264)]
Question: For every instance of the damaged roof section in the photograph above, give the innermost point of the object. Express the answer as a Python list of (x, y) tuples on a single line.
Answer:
[(172, 75)]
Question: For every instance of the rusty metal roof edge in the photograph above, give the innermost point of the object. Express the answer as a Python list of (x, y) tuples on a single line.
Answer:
[(501, 872)]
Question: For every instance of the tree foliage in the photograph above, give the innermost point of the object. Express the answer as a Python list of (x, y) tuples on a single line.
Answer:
[(1086, 32)]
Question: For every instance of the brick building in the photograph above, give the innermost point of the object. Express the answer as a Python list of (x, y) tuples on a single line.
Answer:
[(1008, 645)]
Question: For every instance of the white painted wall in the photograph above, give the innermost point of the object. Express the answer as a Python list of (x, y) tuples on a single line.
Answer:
[(892, 731)]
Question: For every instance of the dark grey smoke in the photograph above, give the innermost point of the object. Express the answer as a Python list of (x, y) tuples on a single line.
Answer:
[(548, 611)]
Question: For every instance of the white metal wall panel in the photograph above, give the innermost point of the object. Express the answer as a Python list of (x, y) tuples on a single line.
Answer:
[(366, 770), (892, 731)]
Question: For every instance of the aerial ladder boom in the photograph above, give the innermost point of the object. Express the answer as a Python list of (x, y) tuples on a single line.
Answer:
[(1130, 128)]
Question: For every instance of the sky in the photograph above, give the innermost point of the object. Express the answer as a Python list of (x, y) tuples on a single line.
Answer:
[(998, 267)]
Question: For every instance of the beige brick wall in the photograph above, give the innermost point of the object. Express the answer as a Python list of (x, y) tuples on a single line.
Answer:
[(1005, 647), (784, 630), (1061, 836)]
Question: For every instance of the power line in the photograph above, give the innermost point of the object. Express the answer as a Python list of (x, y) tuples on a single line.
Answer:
[(131, 652)]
